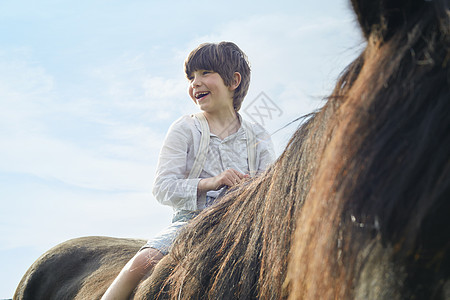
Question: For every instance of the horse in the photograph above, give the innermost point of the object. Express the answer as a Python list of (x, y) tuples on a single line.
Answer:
[(356, 207), (80, 268)]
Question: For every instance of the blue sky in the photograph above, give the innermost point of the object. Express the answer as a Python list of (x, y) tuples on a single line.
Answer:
[(88, 90)]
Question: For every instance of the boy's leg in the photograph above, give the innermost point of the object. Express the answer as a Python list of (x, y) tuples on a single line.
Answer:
[(132, 273)]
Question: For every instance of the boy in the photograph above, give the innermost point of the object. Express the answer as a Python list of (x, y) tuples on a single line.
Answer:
[(203, 154)]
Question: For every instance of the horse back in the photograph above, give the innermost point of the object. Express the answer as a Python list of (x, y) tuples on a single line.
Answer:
[(81, 268)]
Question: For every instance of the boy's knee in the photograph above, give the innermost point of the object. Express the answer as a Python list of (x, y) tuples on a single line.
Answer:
[(146, 259)]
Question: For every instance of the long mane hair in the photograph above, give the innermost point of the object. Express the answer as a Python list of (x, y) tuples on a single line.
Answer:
[(357, 205), (380, 198)]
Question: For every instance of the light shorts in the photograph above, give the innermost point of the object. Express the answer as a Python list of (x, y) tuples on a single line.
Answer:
[(164, 240)]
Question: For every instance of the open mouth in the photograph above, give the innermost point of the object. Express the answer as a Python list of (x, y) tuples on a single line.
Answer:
[(201, 95)]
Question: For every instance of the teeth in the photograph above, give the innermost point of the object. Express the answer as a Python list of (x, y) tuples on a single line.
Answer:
[(201, 94)]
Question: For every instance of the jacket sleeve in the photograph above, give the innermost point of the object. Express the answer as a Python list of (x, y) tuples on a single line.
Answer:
[(171, 186)]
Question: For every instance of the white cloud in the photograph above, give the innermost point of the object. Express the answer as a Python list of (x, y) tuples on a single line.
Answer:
[(72, 141), (161, 88), (25, 93), (58, 160), (133, 84)]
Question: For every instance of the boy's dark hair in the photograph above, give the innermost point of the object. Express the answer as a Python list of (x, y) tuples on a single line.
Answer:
[(224, 58)]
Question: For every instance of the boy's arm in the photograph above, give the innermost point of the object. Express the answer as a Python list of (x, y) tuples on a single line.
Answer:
[(171, 186)]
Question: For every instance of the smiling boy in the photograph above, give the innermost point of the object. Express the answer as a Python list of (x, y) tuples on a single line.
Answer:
[(203, 154)]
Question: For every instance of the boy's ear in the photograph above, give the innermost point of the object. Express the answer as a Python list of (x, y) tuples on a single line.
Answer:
[(236, 81)]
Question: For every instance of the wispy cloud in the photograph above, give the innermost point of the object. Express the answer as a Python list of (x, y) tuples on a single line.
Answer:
[(38, 140)]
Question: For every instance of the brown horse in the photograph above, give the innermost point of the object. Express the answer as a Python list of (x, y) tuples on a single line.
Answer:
[(82, 268), (356, 207)]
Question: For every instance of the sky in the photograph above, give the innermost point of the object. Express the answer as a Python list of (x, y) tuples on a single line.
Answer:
[(88, 90)]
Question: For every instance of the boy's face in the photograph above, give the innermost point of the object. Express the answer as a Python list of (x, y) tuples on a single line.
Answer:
[(208, 90)]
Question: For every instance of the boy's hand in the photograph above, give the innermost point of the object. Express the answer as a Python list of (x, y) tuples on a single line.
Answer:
[(228, 177)]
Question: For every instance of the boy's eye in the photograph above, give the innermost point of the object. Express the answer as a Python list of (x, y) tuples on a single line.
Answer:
[(200, 72)]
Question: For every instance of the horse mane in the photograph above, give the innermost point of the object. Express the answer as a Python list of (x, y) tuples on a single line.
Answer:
[(368, 175), (384, 177), (244, 240)]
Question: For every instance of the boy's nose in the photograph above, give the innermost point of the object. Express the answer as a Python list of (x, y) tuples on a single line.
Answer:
[(195, 81)]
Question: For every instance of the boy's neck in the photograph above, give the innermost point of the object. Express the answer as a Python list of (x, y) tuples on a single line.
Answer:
[(223, 124)]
